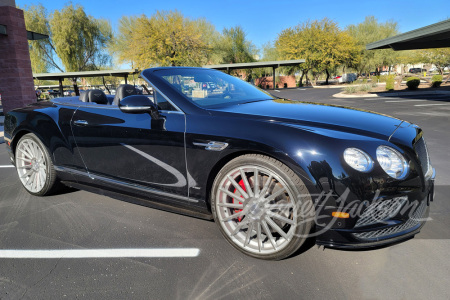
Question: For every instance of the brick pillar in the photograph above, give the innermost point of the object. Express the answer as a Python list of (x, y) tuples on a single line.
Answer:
[(16, 77)]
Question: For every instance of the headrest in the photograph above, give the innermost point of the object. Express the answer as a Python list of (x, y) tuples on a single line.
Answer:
[(97, 96), (84, 96), (123, 91)]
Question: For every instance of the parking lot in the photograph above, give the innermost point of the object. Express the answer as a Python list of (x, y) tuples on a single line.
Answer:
[(199, 263)]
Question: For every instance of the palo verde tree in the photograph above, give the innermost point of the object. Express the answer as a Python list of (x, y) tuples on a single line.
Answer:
[(78, 40), (440, 57), (234, 47), (167, 38), (321, 43), (371, 31)]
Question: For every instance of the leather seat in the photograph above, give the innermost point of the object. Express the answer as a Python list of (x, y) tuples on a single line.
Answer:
[(95, 96), (123, 91)]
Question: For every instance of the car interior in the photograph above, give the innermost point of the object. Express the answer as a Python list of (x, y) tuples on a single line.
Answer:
[(124, 90)]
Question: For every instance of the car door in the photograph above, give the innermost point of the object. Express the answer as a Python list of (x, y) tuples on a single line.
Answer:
[(133, 151)]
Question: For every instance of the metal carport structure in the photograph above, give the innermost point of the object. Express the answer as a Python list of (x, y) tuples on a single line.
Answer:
[(260, 64), (75, 75), (432, 36)]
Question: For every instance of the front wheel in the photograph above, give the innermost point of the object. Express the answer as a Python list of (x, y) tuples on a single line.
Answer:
[(34, 166), (262, 207)]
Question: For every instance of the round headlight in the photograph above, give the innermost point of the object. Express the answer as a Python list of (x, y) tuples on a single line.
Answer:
[(358, 159), (392, 162)]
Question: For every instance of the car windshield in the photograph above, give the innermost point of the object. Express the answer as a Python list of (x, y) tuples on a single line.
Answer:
[(208, 88)]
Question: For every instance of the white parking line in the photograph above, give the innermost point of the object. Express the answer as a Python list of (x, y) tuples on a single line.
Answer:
[(101, 253), (432, 104), (8, 166), (405, 100)]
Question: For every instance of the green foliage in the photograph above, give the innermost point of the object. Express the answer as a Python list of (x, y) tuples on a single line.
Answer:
[(368, 32), (382, 78), (436, 80), (79, 40), (390, 83), (413, 83), (365, 88), (439, 57), (36, 20), (234, 46), (167, 38), (321, 43), (351, 89)]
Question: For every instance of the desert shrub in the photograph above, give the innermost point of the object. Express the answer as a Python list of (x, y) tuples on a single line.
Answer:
[(390, 83), (374, 84), (351, 89), (413, 83), (382, 78), (436, 80), (260, 86), (365, 88)]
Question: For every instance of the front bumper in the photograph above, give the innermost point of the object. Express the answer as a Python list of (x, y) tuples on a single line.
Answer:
[(404, 225)]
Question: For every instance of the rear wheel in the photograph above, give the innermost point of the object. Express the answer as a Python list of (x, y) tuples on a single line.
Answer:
[(34, 166), (259, 205)]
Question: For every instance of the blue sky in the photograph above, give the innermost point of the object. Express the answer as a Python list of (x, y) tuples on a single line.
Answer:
[(264, 19)]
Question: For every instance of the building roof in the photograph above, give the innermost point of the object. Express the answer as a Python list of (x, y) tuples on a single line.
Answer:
[(56, 76), (433, 36), (259, 64)]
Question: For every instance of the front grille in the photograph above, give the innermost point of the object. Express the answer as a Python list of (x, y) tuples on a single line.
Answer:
[(381, 211), (422, 153), (413, 221)]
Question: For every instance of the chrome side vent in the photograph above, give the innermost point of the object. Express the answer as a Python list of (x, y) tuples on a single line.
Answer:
[(213, 146)]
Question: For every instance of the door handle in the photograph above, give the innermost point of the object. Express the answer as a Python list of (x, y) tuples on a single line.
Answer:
[(80, 122)]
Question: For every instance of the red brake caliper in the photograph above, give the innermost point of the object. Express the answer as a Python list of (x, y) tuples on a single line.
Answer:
[(241, 183)]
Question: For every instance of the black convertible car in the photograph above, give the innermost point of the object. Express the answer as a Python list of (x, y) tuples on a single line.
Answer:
[(270, 171)]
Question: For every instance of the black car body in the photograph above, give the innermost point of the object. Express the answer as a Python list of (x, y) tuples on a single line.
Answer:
[(169, 158), (417, 70)]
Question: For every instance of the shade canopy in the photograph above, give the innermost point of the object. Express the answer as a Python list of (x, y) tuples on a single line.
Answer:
[(433, 36), (259, 64)]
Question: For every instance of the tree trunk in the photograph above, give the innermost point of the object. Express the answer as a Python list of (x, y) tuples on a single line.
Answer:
[(328, 76), (301, 79), (448, 78), (307, 79)]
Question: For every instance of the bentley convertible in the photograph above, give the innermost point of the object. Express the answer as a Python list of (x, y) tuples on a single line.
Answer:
[(271, 172)]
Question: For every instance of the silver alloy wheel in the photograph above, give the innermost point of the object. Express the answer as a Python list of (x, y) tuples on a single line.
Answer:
[(256, 209), (31, 165)]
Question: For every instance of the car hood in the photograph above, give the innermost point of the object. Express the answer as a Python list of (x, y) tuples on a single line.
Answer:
[(311, 114)]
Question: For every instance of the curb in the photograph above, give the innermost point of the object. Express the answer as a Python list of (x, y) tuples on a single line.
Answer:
[(342, 95), (342, 86)]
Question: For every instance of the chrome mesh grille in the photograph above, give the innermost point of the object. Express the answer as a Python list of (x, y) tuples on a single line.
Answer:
[(413, 221), (380, 211), (422, 153)]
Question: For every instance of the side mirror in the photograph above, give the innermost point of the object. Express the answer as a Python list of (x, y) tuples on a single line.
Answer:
[(138, 104)]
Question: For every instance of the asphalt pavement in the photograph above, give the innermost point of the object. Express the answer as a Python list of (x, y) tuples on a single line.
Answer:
[(79, 220)]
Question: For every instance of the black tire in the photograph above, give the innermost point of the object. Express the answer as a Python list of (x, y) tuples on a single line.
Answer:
[(294, 184), (51, 184)]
